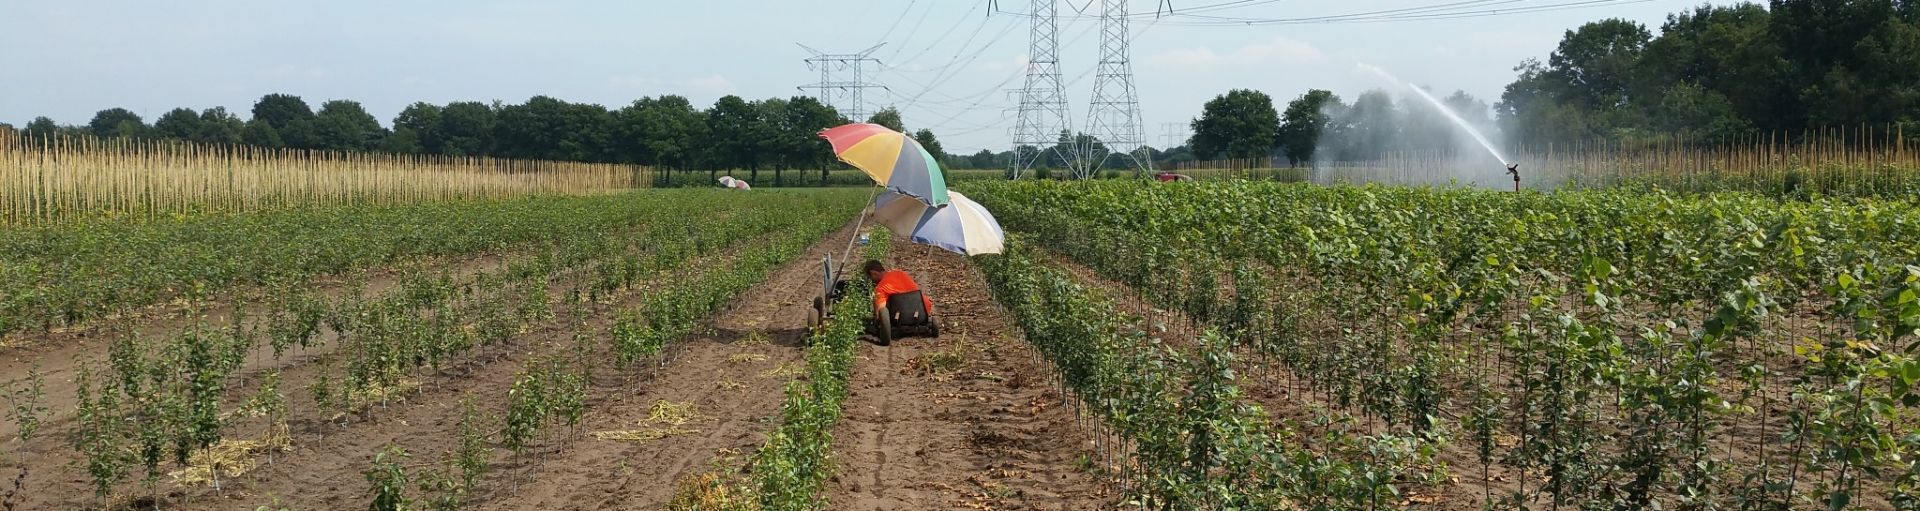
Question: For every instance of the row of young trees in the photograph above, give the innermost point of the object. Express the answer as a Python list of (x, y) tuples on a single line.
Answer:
[(666, 131)]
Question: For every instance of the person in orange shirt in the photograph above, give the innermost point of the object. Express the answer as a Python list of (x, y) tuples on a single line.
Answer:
[(887, 283)]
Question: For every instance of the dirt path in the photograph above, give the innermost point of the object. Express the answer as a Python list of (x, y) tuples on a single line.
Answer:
[(734, 376), (965, 421)]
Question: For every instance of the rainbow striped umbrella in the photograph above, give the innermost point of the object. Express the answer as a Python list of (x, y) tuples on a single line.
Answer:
[(891, 158)]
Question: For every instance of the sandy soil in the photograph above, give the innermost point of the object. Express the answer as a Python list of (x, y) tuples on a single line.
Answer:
[(732, 375), (964, 421)]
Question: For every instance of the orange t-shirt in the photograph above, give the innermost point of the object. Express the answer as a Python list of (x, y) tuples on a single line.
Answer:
[(894, 282)]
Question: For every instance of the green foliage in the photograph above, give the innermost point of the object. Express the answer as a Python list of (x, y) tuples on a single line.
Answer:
[(389, 480), (465, 129), (551, 129), (40, 128), (1622, 340), (665, 131), (1368, 129), (731, 125), (1717, 72), (458, 476), (926, 139), (1239, 124), (343, 125), (111, 122), (100, 435), (178, 124), (66, 274), (888, 117), (421, 122), (794, 464), (272, 505), (661, 131), (260, 134), (164, 397), (1195, 444), (217, 127), (297, 321), (681, 301), (26, 402), (1302, 124), (474, 455), (289, 116)]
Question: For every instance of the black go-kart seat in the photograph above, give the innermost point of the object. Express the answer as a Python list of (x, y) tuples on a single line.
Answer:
[(907, 314)]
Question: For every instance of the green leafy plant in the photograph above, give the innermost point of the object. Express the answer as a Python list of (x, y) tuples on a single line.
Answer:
[(388, 478), (26, 403)]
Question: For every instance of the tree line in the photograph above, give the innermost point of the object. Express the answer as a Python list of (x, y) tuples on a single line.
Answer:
[(1320, 126), (1713, 74), (670, 132), (1721, 72)]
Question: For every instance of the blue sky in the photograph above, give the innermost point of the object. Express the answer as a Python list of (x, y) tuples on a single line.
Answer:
[(70, 58)]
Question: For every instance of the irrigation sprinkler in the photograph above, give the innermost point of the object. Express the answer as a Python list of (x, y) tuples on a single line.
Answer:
[(1513, 169)]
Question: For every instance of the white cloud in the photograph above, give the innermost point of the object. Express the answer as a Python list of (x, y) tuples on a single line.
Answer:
[(1002, 66), (294, 72), (715, 84), (1276, 51)]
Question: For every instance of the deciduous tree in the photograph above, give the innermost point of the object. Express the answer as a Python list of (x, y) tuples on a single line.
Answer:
[(1239, 124)]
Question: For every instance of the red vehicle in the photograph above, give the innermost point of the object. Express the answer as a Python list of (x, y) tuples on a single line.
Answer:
[(1168, 177)]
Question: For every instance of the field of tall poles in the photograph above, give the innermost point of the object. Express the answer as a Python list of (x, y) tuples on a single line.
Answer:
[(56, 180), (1603, 349), (1864, 161)]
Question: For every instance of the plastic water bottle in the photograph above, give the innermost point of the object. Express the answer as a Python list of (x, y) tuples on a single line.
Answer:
[(864, 239)]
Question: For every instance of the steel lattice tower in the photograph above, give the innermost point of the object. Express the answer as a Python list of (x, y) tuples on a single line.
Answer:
[(1043, 106), (1114, 116), (852, 90)]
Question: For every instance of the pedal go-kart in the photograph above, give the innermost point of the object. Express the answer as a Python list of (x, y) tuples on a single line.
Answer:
[(906, 314)]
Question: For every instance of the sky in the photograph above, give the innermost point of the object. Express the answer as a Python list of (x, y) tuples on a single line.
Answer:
[(946, 64)]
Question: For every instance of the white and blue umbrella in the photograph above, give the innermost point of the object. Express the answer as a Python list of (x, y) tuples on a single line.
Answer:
[(961, 226)]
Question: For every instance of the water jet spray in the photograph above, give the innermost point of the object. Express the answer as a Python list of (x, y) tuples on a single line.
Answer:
[(1513, 169)]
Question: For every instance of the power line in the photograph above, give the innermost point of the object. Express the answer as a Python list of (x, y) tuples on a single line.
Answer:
[(1430, 12), (1425, 8), (1113, 117), (981, 99), (955, 59), (968, 61), (1189, 16), (911, 32), (931, 86), (896, 21), (1173, 132), (1043, 105), (853, 90), (936, 42)]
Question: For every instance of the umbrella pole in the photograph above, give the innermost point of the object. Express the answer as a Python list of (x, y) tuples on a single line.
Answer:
[(858, 223)]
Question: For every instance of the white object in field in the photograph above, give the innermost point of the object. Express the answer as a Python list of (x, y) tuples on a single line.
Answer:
[(962, 226), (727, 181), (742, 185)]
